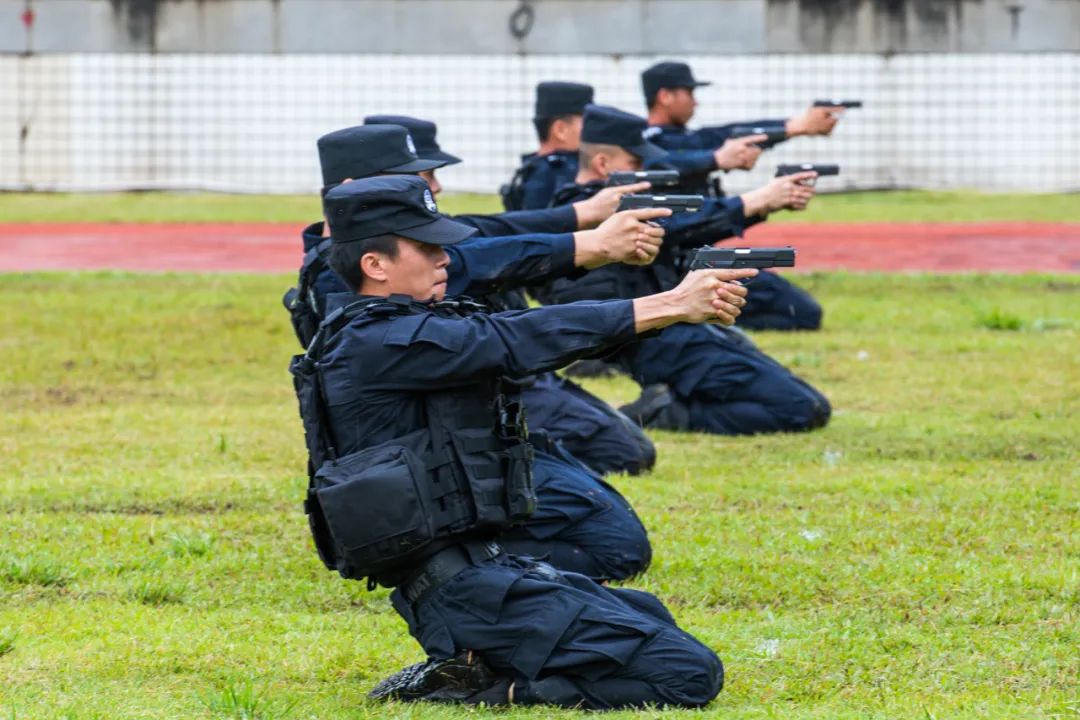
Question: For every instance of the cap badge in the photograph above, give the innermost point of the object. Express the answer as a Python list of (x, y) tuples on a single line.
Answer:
[(429, 202), (410, 144)]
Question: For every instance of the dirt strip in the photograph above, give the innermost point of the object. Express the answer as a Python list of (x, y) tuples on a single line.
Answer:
[(273, 248)]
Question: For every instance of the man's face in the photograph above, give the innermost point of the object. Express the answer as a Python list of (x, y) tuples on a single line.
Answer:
[(618, 160), (433, 184), (418, 271), (680, 103), (567, 131)]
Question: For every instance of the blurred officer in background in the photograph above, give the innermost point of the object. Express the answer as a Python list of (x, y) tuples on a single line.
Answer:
[(582, 216), (669, 96), (559, 107), (695, 377)]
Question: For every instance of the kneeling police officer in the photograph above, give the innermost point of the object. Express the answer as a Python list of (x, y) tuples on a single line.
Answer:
[(420, 460)]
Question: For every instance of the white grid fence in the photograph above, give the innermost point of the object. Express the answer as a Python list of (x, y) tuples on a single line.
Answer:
[(248, 123)]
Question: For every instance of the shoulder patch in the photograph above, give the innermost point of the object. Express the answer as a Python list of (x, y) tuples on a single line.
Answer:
[(408, 330)]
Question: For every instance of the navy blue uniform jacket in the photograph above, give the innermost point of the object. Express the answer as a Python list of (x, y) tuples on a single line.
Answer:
[(535, 182), (375, 369)]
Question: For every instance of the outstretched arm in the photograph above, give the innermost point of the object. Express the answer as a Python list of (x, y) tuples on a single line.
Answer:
[(484, 265), (431, 351)]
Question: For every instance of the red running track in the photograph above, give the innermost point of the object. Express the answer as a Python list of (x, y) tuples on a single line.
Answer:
[(273, 248)]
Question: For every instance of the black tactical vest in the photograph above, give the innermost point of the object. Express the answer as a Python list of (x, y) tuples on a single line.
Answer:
[(302, 301), (513, 192), (378, 512)]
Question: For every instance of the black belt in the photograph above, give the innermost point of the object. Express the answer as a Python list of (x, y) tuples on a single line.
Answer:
[(444, 565)]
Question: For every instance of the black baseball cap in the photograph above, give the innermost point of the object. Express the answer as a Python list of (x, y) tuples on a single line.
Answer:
[(366, 150), (423, 134), (555, 98), (610, 126), (668, 74), (389, 205)]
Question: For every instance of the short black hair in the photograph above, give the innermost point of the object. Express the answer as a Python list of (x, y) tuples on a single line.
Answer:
[(650, 98), (345, 257), (543, 125)]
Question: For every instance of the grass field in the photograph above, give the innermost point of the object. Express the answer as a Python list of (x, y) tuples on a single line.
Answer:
[(918, 558), (905, 206)]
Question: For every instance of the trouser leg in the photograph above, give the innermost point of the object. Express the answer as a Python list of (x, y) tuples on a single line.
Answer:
[(581, 524), (564, 640), (727, 385), (590, 429)]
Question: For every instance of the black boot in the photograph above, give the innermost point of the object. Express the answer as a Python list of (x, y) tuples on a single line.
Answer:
[(658, 408), (464, 678)]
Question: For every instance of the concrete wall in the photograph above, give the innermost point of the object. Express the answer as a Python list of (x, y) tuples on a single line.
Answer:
[(621, 27)]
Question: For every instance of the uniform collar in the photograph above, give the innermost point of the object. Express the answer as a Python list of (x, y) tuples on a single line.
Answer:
[(338, 300), (313, 235), (671, 128), (573, 192)]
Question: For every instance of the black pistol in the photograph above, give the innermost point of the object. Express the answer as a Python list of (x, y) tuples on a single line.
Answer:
[(657, 178), (775, 134), (676, 203), (838, 103), (820, 169), (722, 258)]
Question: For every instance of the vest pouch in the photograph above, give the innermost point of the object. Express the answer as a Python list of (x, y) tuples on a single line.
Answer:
[(306, 384), (320, 532), (482, 458), (377, 507), (305, 320), (520, 494)]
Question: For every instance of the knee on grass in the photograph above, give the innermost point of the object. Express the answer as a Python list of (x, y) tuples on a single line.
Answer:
[(624, 552), (811, 411), (692, 673)]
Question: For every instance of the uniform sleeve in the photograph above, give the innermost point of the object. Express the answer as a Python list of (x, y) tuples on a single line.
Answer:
[(687, 162), (489, 264), (422, 352), (710, 137), (735, 205), (522, 222), (718, 219)]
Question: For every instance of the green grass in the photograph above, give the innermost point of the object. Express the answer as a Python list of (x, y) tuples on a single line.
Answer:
[(175, 207), (900, 206), (918, 558), (926, 206)]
